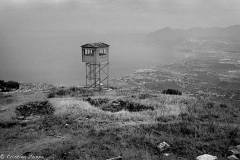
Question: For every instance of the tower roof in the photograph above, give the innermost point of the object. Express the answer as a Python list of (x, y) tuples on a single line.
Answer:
[(95, 45)]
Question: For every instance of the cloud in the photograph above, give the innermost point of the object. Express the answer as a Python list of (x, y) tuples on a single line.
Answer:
[(102, 15), (172, 7)]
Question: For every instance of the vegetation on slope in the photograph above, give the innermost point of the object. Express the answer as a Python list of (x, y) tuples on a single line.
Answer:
[(90, 126)]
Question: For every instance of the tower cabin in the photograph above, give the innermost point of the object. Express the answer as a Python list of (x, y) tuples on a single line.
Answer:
[(95, 53), (96, 56)]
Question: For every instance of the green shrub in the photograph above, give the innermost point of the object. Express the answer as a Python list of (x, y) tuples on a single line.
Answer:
[(118, 105), (172, 92), (35, 108), (72, 92), (8, 86)]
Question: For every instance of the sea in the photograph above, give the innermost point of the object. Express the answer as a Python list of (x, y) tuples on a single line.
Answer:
[(55, 57)]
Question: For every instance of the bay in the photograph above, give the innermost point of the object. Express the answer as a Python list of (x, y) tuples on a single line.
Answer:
[(55, 56)]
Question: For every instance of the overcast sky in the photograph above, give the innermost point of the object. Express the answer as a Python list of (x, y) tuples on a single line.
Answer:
[(116, 15)]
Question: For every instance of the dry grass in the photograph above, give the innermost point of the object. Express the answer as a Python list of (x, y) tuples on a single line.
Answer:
[(73, 107), (83, 131)]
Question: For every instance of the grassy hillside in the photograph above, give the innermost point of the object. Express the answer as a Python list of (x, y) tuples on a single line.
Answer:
[(73, 123)]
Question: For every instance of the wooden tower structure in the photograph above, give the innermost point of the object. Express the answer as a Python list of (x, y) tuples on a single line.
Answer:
[(96, 56)]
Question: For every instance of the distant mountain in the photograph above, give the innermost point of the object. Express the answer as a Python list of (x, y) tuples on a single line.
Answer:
[(168, 35), (165, 35)]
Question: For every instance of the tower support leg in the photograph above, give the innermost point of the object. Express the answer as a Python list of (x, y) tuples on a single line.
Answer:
[(99, 76), (96, 75), (108, 75)]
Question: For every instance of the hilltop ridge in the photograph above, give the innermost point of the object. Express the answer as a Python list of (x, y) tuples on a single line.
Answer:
[(74, 123)]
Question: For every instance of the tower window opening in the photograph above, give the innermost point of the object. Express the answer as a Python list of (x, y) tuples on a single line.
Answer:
[(102, 52), (88, 52)]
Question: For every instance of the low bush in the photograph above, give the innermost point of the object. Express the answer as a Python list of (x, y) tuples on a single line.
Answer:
[(118, 105), (8, 86), (172, 92), (35, 108), (72, 91), (127, 105), (96, 101), (145, 96)]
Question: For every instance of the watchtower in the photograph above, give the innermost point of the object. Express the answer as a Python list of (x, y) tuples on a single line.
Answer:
[(96, 56)]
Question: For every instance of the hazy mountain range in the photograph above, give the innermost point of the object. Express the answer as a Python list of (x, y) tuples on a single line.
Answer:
[(168, 35)]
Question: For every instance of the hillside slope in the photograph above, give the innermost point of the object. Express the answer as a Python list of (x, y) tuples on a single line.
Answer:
[(80, 124)]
